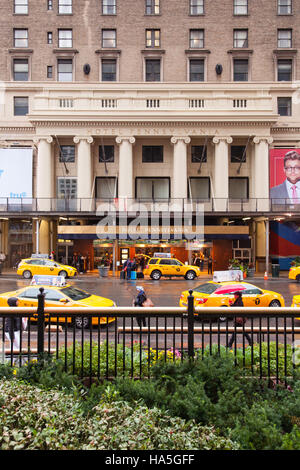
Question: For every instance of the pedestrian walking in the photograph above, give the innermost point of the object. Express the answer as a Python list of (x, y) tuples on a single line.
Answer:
[(210, 265), (13, 325), (139, 301), (2, 261), (239, 321), (128, 268)]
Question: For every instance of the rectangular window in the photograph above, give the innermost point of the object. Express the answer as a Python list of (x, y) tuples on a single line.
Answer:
[(199, 154), (240, 70), (240, 7), (284, 70), (20, 105), (109, 7), (284, 106), (238, 188), (284, 38), (21, 7), (106, 153), (197, 38), (240, 38), (20, 37), (65, 38), (49, 71), (65, 70), (49, 37), (152, 70), (199, 188), (106, 187), (50, 4), (109, 70), (152, 7), (66, 188), (21, 70), (152, 188), (64, 7), (109, 38), (152, 37), (196, 7), (152, 154), (67, 153), (284, 7), (196, 70), (238, 153)]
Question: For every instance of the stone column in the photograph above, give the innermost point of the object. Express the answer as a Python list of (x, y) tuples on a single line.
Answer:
[(221, 182), (44, 173), (261, 172), (125, 189), (180, 168), (84, 173)]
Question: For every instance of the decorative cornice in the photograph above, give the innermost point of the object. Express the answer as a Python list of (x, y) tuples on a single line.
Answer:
[(65, 51), (144, 123), (108, 51), (20, 50), (17, 130), (285, 130)]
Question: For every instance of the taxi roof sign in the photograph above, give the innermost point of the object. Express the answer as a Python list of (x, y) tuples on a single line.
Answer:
[(230, 275), (42, 280)]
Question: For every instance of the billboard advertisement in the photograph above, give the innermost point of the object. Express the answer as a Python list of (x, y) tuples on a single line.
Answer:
[(16, 173), (285, 176)]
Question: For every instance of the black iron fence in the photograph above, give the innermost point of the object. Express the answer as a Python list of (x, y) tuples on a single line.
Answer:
[(106, 342)]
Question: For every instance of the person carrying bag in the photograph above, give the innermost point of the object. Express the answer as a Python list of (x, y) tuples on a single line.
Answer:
[(142, 301)]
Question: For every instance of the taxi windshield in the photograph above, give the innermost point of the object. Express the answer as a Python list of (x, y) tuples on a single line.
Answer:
[(74, 293), (207, 288)]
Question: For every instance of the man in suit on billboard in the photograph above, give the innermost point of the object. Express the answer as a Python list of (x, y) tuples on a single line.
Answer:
[(289, 190)]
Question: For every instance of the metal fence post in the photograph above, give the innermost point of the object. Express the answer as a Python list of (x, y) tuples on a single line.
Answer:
[(191, 325), (40, 321)]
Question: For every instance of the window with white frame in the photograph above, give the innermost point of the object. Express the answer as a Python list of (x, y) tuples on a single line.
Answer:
[(65, 38), (108, 70), (49, 37), (21, 105), (66, 188), (284, 38), (196, 70), (196, 7), (20, 37), (152, 188), (196, 38), (152, 37), (67, 153), (152, 7), (20, 70), (109, 38), (199, 188), (284, 7), (106, 187), (240, 38), (238, 188), (21, 7), (65, 70), (64, 7), (284, 70), (152, 67), (284, 106), (109, 7), (240, 70), (240, 7), (49, 4)]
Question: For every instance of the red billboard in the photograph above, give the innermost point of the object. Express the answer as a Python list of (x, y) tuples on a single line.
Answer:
[(285, 176)]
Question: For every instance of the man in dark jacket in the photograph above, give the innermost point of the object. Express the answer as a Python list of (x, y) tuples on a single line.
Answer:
[(13, 324), (140, 299), (239, 321)]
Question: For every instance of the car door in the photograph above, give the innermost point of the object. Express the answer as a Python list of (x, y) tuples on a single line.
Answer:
[(164, 265), (51, 267), (178, 269), (254, 297), (53, 298)]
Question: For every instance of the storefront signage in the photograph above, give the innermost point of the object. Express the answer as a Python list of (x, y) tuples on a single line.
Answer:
[(230, 275), (16, 173)]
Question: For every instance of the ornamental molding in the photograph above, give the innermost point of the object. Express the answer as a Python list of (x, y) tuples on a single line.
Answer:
[(218, 139), (38, 139), (176, 139), (259, 139), (80, 138), (121, 139)]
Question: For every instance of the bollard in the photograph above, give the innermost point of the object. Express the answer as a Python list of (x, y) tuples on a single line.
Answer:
[(191, 320), (40, 322)]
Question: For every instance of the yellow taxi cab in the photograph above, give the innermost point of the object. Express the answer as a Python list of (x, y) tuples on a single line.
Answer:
[(294, 273), (31, 266), (158, 267), (296, 302), (58, 296), (221, 294)]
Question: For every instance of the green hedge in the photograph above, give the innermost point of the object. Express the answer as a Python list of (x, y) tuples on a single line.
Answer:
[(33, 418)]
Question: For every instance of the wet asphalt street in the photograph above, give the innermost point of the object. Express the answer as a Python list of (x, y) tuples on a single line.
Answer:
[(165, 292)]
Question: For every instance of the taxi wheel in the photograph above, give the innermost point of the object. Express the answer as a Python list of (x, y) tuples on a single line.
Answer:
[(156, 275), (190, 275), (275, 303), (27, 274), (82, 322), (63, 273), (298, 278)]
